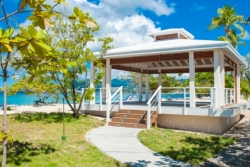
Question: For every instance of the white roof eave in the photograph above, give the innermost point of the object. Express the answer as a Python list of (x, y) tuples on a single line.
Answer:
[(149, 52), (162, 51), (237, 54)]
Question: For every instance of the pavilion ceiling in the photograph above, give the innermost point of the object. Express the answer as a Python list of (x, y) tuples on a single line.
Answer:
[(169, 63)]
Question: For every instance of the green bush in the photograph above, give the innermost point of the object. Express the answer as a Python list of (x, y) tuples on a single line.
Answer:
[(8, 108)]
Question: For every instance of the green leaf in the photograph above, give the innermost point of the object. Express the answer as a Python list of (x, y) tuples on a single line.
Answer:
[(4, 135), (44, 46), (31, 78), (36, 48), (24, 33), (32, 31), (5, 40), (76, 11), (70, 64), (8, 47)]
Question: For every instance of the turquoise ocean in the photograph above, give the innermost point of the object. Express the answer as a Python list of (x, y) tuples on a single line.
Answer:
[(23, 99)]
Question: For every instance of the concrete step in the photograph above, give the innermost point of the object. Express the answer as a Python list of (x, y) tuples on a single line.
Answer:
[(134, 116), (124, 115), (128, 120), (128, 111), (129, 125)]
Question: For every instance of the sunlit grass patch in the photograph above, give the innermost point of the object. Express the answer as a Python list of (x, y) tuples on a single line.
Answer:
[(37, 141), (193, 148)]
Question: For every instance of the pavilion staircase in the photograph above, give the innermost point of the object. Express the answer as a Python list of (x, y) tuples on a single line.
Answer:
[(133, 118)]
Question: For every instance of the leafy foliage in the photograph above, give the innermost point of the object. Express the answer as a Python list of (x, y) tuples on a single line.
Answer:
[(230, 21), (41, 86), (4, 135)]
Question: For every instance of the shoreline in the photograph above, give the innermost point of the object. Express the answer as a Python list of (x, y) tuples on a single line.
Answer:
[(46, 109)]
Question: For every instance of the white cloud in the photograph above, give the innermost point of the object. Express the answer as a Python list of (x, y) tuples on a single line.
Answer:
[(247, 36), (198, 7), (120, 19)]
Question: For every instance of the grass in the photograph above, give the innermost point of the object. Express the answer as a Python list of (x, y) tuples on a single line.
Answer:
[(37, 142), (193, 148)]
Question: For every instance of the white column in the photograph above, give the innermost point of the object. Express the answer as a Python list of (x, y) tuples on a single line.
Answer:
[(108, 75), (103, 85), (191, 79), (217, 75), (92, 79), (140, 86), (238, 84), (159, 78), (222, 80), (147, 87)]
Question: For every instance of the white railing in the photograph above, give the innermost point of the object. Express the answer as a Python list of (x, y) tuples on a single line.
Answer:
[(212, 98), (229, 96), (178, 92), (113, 102), (153, 103), (207, 93)]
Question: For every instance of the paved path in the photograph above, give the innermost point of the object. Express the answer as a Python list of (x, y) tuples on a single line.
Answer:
[(239, 153), (123, 145)]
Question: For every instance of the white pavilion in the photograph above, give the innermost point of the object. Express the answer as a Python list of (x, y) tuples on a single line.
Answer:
[(173, 51)]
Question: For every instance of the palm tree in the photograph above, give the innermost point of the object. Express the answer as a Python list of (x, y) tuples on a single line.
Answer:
[(227, 18), (233, 38)]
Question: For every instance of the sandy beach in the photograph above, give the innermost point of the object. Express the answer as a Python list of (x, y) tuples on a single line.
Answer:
[(47, 109)]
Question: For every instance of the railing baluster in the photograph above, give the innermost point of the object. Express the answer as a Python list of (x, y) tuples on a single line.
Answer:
[(159, 101), (100, 99), (184, 91)]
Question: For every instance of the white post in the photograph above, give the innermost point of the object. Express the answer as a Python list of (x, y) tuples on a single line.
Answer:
[(92, 79), (159, 101), (148, 117), (100, 99), (231, 96), (191, 79), (185, 102), (211, 97), (107, 112), (222, 79), (238, 84), (217, 83), (104, 85), (226, 101), (140, 87), (147, 87), (108, 92), (121, 104), (83, 99), (159, 78)]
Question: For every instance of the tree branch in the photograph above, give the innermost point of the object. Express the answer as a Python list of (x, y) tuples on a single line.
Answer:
[(4, 13)]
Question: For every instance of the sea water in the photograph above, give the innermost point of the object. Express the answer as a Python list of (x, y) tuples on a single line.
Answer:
[(23, 99)]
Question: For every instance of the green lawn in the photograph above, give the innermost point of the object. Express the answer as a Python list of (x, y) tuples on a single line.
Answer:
[(193, 148), (37, 142)]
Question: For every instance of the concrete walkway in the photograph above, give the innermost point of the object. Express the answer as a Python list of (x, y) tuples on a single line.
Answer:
[(239, 153), (123, 144)]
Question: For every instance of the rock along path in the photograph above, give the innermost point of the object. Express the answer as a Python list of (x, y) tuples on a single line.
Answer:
[(123, 145)]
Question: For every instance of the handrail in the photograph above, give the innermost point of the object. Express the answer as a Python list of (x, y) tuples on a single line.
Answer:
[(158, 91), (153, 96), (113, 95), (109, 101)]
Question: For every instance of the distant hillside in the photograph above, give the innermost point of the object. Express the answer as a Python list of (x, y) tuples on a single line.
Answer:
[(117, 82)]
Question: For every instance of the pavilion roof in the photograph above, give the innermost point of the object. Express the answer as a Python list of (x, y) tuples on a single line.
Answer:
[(173, 46)]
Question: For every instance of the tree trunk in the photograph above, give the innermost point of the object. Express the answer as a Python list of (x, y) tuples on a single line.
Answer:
[(4, 122)]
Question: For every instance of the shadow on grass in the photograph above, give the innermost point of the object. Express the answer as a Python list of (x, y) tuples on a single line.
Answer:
[(237, 154), (45, 117), (197, 150), (24, 151)]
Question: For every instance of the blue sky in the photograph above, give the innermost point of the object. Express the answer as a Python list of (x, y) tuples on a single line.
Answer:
[(129, 21)]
